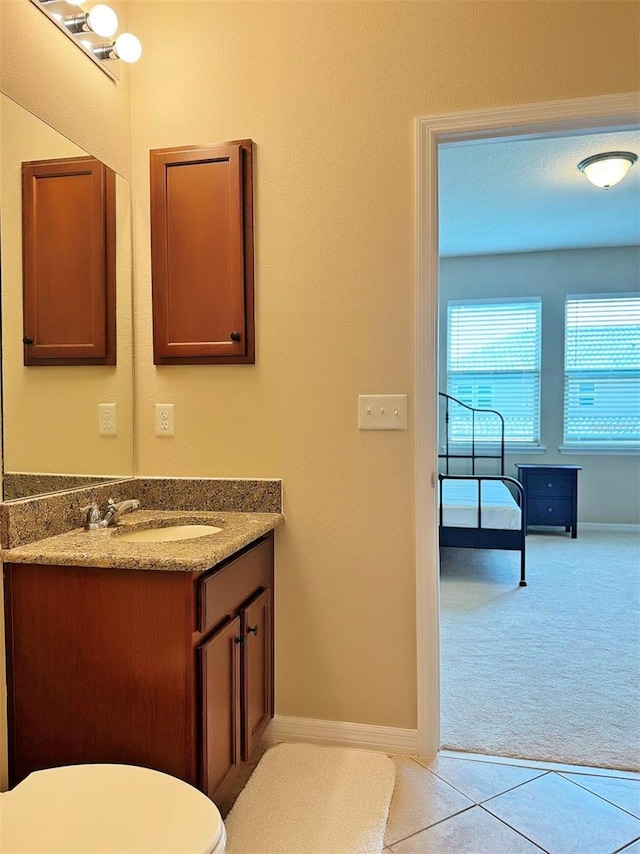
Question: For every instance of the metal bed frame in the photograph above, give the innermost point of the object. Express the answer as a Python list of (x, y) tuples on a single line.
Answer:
[(479, 537)]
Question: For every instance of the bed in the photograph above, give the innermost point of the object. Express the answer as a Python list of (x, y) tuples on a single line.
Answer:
[(478, 509)]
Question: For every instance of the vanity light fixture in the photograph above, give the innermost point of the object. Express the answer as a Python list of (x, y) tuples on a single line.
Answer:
[(88, 28), (605, 170)]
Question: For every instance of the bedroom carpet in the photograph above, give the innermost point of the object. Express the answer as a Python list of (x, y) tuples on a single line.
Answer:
[(549, 671), (304, 799)]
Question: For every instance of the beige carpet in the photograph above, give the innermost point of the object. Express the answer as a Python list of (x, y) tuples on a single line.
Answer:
[(304, 799), (550, 671)]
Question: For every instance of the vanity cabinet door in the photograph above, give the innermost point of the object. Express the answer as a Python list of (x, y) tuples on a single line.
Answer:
[(257, 671), (235, 663), (202, 254), (219, 660), (69, 254)]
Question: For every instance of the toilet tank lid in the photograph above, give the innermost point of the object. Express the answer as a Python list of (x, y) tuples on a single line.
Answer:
[(108, 808)]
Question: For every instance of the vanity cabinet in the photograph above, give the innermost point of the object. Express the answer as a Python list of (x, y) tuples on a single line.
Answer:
[(165, 669)]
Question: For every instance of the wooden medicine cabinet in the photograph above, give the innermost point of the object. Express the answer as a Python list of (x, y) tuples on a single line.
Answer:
[(69, 262), (202, 254)]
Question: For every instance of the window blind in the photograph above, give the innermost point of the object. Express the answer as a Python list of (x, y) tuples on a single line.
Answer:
[(602, 370), (493, 362)]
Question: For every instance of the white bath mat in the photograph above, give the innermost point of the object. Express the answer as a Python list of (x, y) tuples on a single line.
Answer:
[(303, 799)]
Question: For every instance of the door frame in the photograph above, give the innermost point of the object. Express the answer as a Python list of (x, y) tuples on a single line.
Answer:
[(547, 119)]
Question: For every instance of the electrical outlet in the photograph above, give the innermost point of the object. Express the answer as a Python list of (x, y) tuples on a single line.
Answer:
[(164, 419), (107, 419), (382, 412)]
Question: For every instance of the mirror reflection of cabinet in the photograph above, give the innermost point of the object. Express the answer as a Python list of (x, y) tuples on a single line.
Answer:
[(68, 247), (50, 415)]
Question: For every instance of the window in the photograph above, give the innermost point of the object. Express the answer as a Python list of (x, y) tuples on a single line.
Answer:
[(602, 371), (493, 362)]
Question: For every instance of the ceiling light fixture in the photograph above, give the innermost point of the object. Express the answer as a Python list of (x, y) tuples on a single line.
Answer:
[(605, 170)]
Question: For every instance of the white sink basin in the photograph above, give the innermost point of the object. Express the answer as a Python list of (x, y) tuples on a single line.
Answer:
[(165, 535)]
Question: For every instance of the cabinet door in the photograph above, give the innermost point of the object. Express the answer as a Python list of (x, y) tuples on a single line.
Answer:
[(202, 254), (69, 262), (220, 675), (257, 670)]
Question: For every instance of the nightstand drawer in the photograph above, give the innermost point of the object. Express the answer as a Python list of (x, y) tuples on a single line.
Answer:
[(552, 483), (549, 511)]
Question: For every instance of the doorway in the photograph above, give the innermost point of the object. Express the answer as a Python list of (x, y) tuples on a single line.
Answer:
[(589, 115)]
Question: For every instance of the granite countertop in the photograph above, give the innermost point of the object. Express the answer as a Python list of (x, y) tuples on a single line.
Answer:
[(102, 548)]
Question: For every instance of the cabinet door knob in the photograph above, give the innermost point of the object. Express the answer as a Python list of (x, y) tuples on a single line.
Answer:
[(235, 336), (27, 339), (241, 640), (252, 630)]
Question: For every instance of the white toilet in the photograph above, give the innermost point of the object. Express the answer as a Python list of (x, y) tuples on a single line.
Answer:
[(119, 809)]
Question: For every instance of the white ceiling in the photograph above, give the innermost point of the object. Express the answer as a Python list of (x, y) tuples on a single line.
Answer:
[(528, 195)]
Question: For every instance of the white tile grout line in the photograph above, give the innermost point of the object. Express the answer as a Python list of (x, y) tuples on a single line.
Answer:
[(543, 766)]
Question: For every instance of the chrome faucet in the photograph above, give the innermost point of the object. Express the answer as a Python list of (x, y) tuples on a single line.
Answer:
[(95, 520)]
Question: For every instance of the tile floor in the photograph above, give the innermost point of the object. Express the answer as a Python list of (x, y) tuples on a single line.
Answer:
[(452, 805)]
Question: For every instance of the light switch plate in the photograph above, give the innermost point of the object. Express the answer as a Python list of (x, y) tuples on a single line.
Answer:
[(382, 412)]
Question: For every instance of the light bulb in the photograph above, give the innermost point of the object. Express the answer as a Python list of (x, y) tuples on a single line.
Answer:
[(102, 20), (128, 47)]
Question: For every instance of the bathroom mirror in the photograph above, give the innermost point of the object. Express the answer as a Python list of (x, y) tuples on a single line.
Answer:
[(50, 415)]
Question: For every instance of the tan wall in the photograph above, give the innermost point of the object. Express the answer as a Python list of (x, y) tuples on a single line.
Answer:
[(329, 93), (43, 71)]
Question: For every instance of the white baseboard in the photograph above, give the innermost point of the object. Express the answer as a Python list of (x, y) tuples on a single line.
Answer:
[(609, 526), (344, 734)]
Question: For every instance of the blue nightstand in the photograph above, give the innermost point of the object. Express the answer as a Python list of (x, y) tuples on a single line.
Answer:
[(552, 495)]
